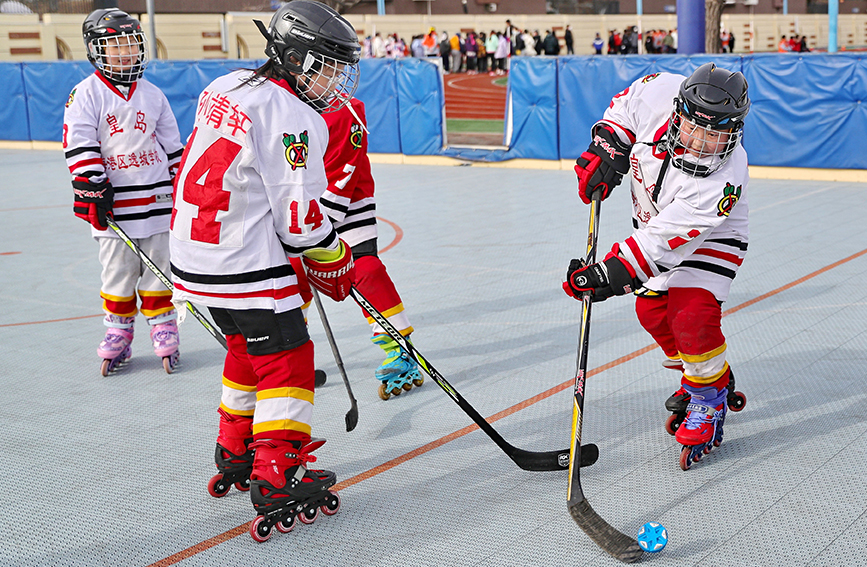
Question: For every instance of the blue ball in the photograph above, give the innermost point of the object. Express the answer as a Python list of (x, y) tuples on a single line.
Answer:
[(652, 537)]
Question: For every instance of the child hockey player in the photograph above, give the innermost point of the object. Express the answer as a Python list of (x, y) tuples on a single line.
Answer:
[(689, 182), (246, 196), (350, 204), (122, 147)]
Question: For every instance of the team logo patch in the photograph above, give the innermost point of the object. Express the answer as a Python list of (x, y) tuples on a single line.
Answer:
[(355, 135), (71, 98), (296, 151), (648, 78), (731, 195)]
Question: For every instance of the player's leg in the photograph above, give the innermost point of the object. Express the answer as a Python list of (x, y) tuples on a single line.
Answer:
[(652, 310), (119, 276), (233, 455), (307, 297), (281, 355), (156, 301), (695, 320), (398, 371)]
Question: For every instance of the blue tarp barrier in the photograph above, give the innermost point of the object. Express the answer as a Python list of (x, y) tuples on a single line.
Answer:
[(378, 91), (13, 111), (808, 110), (420, 105)]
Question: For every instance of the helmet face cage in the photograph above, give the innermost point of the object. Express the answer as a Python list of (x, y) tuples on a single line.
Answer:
[(122, 57), (698, 147), (319, 48), (326, 83)]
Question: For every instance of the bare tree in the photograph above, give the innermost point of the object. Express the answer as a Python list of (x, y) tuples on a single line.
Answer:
[(712, 18)]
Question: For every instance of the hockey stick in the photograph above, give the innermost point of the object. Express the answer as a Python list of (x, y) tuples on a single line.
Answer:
[(352, 414), (527, 460), (166, 281), (612, 541)]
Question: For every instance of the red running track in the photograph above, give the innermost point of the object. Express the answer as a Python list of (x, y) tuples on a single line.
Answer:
[(474, 97)]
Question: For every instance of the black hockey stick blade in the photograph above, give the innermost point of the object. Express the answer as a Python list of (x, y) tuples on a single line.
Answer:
[(319, 378), (616, 544), (352, 414), (527, 460)]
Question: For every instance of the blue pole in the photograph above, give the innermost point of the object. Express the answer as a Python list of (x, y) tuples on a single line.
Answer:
[(785, 6), (833, 9), (690, 27), (380, 7)]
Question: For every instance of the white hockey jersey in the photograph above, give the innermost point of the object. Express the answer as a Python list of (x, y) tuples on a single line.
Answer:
[(689, 231), (133, 139), (247, 195)]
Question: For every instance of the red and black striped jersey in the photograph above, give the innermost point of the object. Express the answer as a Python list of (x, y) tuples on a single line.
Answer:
[(130, 136)]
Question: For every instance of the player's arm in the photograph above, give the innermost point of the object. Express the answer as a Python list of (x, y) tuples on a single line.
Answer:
[(92, 191), (342, 158), (606, 161), (169, 137)]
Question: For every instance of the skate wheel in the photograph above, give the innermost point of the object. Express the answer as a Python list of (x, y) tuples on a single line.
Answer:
[(217, 488), (708, 448), (309, 515), (286, 526), (407, 386), (418, 382), (383, 391), (737, 402), (167, 365), (673, 423), (243, 485), (259, 530), (684, 458), (396, 391), (105, 368), (332, 505)]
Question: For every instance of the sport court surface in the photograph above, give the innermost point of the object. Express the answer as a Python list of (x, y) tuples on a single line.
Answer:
[(113, 471)]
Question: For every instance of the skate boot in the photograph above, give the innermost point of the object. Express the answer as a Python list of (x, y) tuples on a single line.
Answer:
[(678, 401), (398, 371), (233, 457), (702, 430), (283, 488), (115, 348), (164, 334)]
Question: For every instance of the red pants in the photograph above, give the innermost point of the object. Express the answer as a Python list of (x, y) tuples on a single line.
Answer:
[(686, 324)]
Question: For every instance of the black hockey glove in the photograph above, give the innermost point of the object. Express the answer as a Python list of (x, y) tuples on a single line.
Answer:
[(603, 165), (602, 280), (92, 202)]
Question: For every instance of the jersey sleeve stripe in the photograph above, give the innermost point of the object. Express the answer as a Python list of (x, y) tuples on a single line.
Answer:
[(78, 151), (175, 155), (84, 163), (327, 242), (143, 215), (639, 257)]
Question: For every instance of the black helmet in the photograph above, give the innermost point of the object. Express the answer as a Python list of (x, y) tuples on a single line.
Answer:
[(311, 40), (715, 100), (101, 25)]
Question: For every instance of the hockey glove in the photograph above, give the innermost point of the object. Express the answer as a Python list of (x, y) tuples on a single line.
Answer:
[(613, 276), (603, 165), (332, 276), (92, 202)]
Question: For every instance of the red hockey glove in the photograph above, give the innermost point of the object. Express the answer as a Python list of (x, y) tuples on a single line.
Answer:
[(334, 277), (603, 165), (92, 202), (613, 276)]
